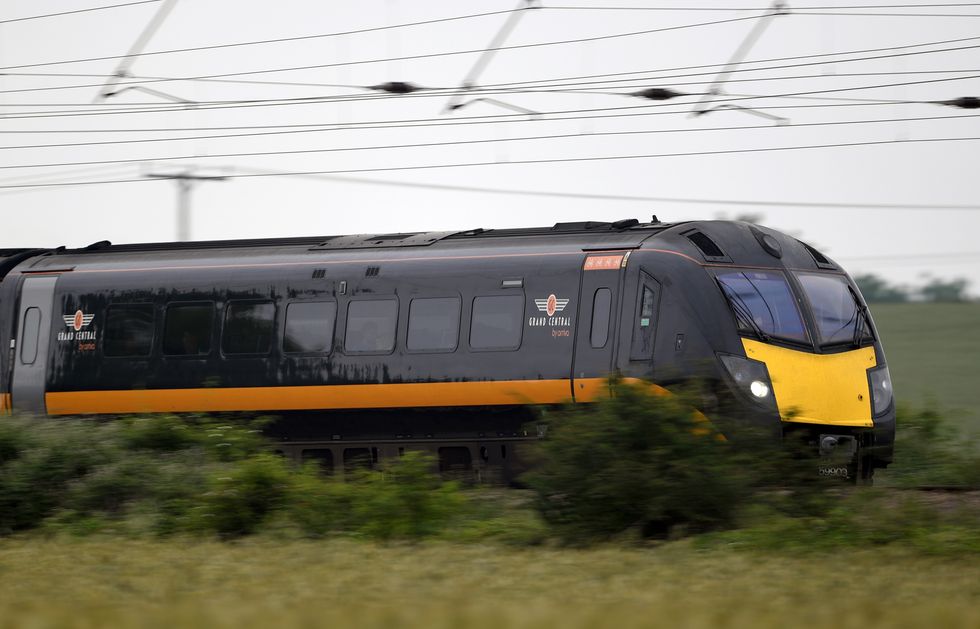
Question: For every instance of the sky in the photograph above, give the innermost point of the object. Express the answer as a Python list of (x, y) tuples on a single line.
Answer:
[(627, 157)]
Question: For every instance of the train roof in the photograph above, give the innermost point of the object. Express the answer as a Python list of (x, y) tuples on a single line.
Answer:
[(702, 242), (387, 240)]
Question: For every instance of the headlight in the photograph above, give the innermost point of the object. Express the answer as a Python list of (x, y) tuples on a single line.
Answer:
[(759, 389), (881, 390), (751, 377)]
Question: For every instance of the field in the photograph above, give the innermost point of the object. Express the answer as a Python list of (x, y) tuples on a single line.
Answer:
[(933, 351), (123, 583)]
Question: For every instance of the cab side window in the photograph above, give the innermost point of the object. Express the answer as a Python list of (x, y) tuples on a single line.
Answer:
[(645, 321), (187, 329)]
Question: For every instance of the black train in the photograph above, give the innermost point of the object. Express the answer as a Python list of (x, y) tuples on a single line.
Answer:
[(366, 345)]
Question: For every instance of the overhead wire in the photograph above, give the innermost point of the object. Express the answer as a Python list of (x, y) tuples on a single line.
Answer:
[(423, 167), (223, 77), (589, 87), (633, 132), (442, 122), (76, 11), (791, 9), (156, 107), (260, 41), (402, 58), (315, 101), (618, 197), (565, 78)]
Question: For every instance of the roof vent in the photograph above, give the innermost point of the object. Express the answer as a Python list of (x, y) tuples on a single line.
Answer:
[(707, 246), (625, 223), (319, 274), (822, 261), (372, 271)]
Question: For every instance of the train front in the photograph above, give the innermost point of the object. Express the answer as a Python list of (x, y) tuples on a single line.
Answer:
[(807, 350)]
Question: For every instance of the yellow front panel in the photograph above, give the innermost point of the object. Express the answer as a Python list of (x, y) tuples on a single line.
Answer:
[(818, 388)]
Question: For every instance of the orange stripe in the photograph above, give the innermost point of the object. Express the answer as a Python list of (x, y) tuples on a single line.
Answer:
[(4, 403), (351, 396)]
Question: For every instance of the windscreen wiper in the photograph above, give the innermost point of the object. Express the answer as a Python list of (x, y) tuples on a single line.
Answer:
[(861, 320), (742, 311)]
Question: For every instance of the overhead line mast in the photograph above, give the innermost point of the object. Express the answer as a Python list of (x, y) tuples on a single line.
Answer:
[(185, 183)]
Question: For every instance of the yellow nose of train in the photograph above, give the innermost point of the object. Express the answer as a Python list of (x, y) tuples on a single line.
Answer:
[(828, 389)]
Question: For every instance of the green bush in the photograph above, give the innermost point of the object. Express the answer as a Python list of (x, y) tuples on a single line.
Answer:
[(239, 500), (406, 500), (320, 506), (929, 451), (636, 461), (36, 474)]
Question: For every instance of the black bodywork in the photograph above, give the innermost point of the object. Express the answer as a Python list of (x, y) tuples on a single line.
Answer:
[(692, 321)]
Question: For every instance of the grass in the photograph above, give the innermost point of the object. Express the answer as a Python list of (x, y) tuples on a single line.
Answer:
[(263, 582), (932, 353)]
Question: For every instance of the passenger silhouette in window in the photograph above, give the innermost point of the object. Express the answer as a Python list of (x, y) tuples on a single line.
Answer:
[(190, 343)]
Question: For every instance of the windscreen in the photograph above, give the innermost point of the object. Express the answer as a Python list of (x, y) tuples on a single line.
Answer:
[(835, 310), (763, 304)]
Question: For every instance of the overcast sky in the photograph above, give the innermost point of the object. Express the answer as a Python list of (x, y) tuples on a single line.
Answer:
[(900, 244)]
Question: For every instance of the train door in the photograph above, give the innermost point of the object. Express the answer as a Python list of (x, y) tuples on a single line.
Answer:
[(31, 347), (596, 324)]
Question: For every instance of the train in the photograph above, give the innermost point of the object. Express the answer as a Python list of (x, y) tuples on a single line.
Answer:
[(364, 346)]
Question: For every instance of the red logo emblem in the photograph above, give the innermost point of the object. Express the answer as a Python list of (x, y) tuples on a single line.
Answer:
[(78, 320), (552, 305)]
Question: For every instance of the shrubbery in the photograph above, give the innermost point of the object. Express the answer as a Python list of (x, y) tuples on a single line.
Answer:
[(639, 464), (928, 451), (636, 461), (636, 465), (167, 475)]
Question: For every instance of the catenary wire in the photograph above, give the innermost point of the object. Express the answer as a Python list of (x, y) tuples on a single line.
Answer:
[(316, 101), (261, 41), (442, 122), (569, 78), (89, 9), (790, 9), (419, 56), (573, 195), (557, 160), (223, 77), (589, 87), (361, 97), (436, 144), (625, 198)]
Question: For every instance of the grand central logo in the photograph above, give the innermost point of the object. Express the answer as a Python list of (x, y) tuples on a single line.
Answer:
[(77, 324), (551, 306)]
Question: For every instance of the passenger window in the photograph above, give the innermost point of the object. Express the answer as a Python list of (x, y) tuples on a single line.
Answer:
[(32, 327), (248, 328), (187, 329), (309, 327), (644, 327), (497, 322), (371, 326), (601, 305), (129, 330), (433, 324)]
